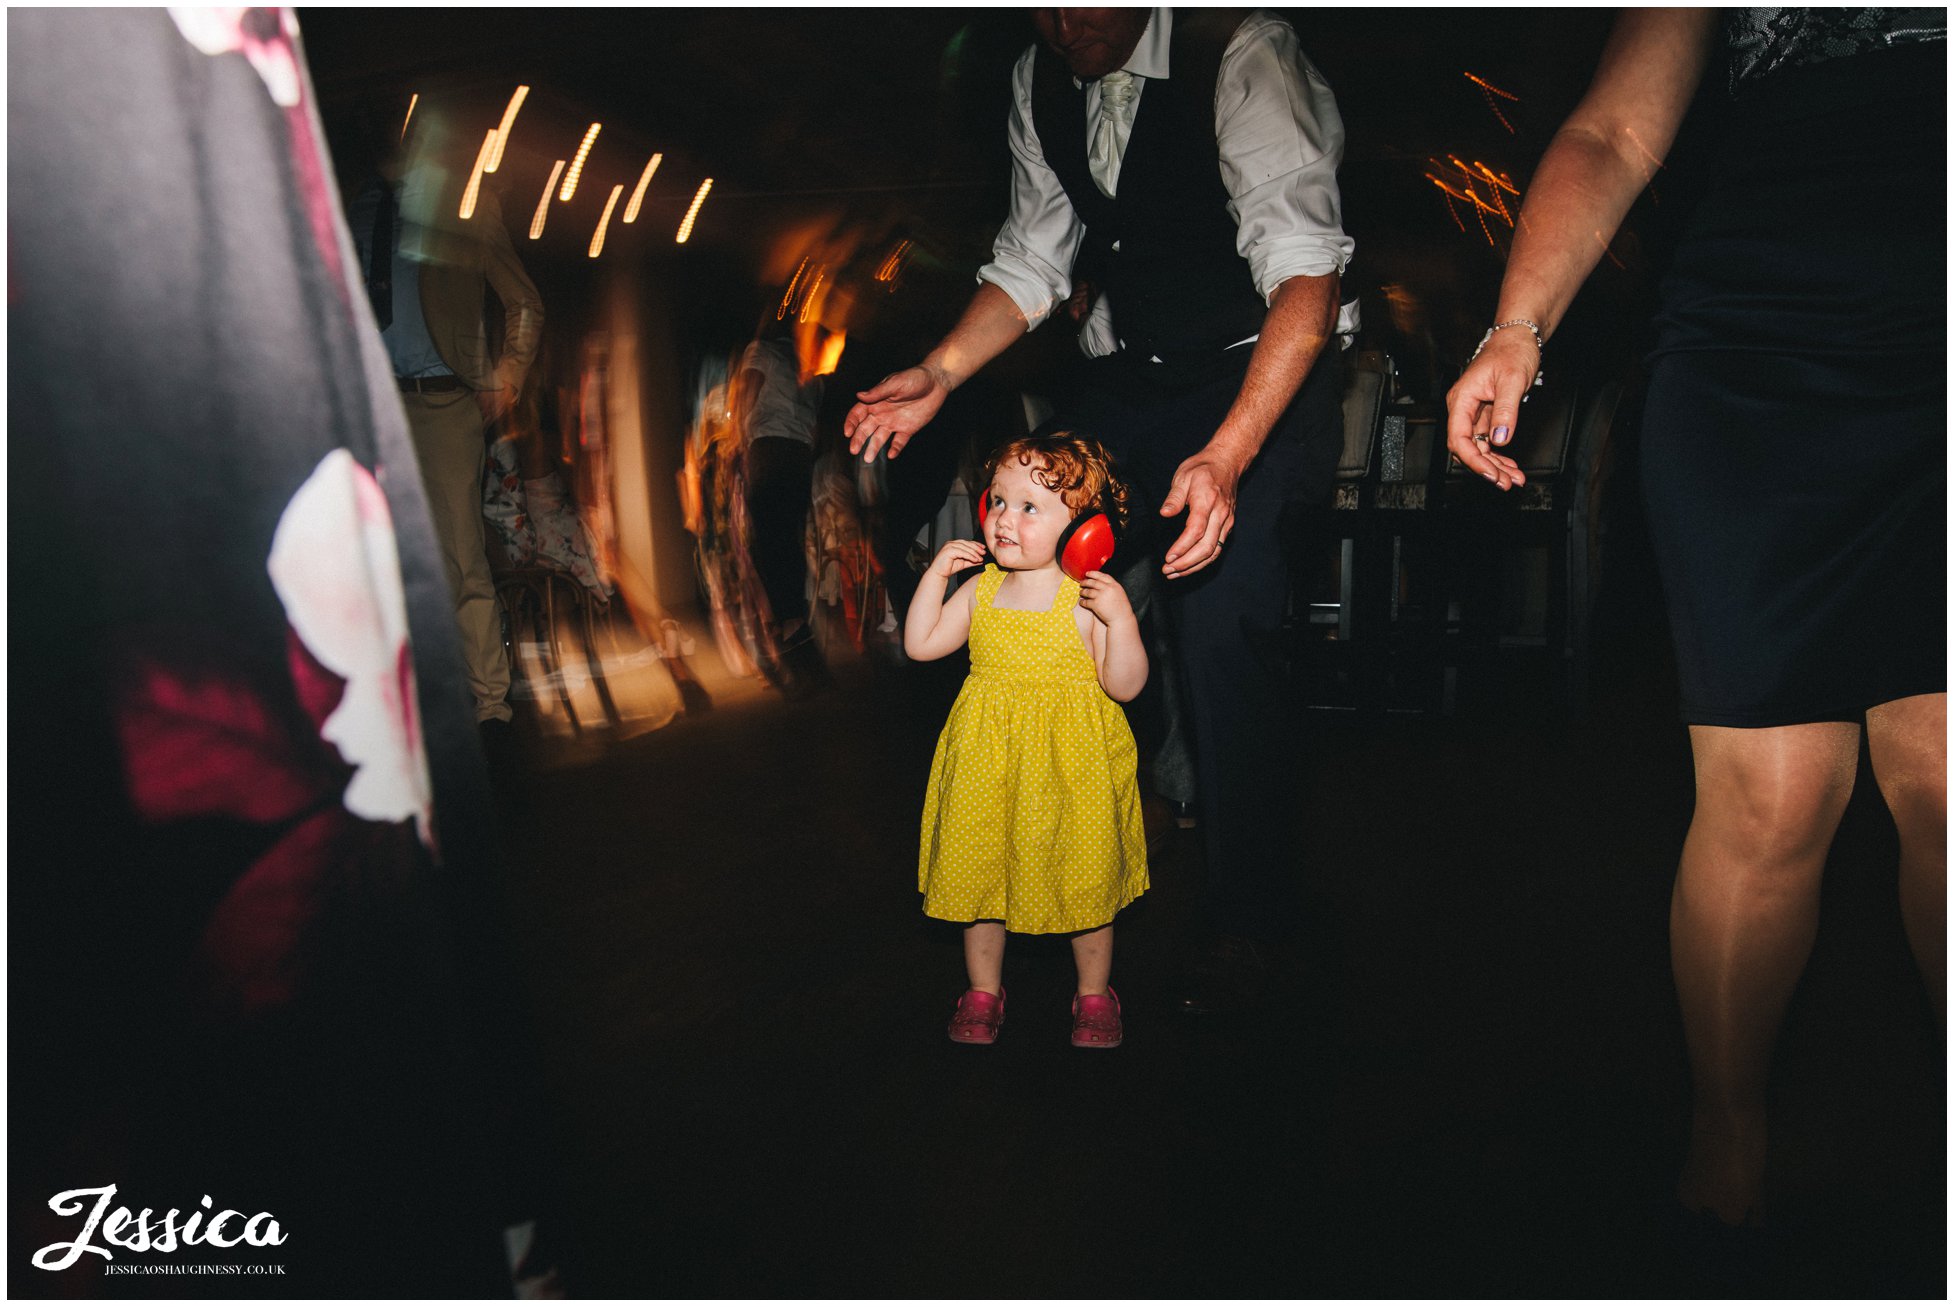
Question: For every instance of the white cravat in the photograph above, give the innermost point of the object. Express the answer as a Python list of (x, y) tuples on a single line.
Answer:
[(1117, 93)]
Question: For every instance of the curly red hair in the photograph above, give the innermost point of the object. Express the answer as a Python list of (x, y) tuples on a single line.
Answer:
[(1076, 468)]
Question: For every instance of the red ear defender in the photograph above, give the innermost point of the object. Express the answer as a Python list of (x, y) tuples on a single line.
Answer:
[(1086, 545)]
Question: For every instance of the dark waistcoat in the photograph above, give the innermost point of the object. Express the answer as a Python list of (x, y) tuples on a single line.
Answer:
[(1178, 288)]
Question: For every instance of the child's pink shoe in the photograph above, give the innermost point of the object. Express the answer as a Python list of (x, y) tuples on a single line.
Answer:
[(1095, 1021), (977, 1017)]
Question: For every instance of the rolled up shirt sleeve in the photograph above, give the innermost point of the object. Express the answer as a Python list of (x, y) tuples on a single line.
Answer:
[(1281, 139), (1031, 260)]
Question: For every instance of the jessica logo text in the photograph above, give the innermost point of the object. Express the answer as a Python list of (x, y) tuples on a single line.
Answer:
[(138, 1234)]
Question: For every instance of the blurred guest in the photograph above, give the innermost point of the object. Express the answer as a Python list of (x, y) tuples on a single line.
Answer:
[(1795, 474), (260, 954), (776, 403), (427, 273), (1182, 162)]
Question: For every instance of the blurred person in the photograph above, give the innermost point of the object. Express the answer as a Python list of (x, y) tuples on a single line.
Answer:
[(1183, 163), (1794, 469), (427, 273), (259, 952), (1032, 818), (776, 401)]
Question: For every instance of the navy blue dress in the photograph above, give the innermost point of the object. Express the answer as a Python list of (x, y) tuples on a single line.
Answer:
[(1795, 438)]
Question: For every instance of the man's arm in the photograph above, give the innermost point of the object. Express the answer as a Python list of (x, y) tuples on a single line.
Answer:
[(1302, 318), (1280, 139), (902, 403), (1029, 274)]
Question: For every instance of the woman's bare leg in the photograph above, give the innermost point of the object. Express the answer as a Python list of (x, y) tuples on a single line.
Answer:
[(1908, 742), (1741, 924)]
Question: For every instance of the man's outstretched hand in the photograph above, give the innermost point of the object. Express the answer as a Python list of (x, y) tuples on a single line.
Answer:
[(894, 409)]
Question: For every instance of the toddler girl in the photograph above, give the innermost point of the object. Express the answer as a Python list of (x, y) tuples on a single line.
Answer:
[(1032, 821)]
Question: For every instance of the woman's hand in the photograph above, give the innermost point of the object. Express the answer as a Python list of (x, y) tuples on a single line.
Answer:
[(955, 557), (1105, 598), (1483, 408)]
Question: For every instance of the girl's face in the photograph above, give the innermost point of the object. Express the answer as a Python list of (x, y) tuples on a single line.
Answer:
[(1024, 519)]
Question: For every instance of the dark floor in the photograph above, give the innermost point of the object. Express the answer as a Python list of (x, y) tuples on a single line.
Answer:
[(1471, 1083)]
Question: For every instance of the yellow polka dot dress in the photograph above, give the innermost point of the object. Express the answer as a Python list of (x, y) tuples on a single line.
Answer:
[(1033, 811)]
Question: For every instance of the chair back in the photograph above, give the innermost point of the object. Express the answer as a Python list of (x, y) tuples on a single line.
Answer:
[(1366, 390)]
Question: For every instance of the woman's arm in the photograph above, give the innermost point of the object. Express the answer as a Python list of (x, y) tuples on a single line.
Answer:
[(1604, 154), (936, 628), (1113, 637)]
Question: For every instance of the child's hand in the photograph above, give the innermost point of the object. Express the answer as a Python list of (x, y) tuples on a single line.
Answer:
[(955, 557), (1104, 598)]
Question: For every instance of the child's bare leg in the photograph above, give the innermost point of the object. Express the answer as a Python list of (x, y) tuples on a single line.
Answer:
[(983, 955), (1092, 954)]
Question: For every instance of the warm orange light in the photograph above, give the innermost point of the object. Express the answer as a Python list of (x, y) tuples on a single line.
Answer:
[(1486, 85), (692, 213), (831, 354), (638, 195), (543, 205), (604, 223), (502, 132), (410, 114), (576, 165), (474, 191)]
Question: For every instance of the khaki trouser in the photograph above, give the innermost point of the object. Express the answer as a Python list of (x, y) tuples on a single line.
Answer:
[(448, 439)]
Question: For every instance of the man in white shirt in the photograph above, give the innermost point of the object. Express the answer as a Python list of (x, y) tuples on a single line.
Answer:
[(1184, 164)]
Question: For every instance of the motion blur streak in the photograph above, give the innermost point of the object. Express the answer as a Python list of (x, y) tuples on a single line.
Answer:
[(638, 195), (685, 227), (576, 165), (543, 205), (502, 132), (604, 223), (474, 191)]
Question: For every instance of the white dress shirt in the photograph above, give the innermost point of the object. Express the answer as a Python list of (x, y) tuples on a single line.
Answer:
[(1280, 141)]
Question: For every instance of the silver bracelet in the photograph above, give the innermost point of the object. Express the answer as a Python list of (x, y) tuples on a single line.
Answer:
[(1539, 345)]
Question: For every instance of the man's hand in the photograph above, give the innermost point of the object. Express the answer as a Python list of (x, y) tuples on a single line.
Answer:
[(895, 409), (1205, 486), (494, 403)]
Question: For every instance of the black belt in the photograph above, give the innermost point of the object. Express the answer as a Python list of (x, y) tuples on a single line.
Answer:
[(430, 385)]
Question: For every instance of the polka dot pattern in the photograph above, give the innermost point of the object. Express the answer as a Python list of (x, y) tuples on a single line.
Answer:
[(1033, 812)]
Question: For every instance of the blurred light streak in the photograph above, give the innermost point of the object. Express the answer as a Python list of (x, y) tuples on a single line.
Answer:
[(685, 227), (543, 205), (576, 165), (638, 195), (502, 132), (410, 114), (603, 223), (474, 191), (787, 300), (1488, 90), (809, 300), (1652, 165), (888, 269)]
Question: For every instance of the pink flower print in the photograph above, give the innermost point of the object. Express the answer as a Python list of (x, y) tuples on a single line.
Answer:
[(336, 571)]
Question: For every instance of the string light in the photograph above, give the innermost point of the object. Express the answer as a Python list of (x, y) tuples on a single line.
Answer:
[(576, 165), (410, 114), (787, 300), (469, 196), (638, 195), (502, 132), (543, 205), (603, 223), (685, 227)]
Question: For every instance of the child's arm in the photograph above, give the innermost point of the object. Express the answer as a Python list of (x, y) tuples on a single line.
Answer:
[(1117, 650), (935, 628)]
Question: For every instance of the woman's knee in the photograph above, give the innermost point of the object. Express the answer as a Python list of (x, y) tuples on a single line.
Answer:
[(1907, 741), (1776, 793)]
